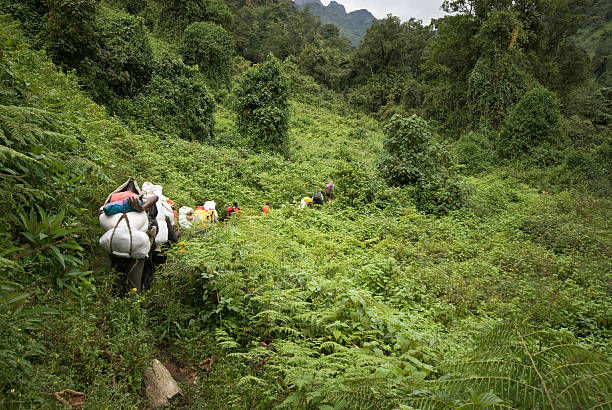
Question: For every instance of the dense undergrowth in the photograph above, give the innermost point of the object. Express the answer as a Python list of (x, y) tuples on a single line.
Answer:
[(361, 303)]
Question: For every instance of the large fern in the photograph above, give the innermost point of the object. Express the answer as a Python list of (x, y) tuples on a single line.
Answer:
[(526, 368)]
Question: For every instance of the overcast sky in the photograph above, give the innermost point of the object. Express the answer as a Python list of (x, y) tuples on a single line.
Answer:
[(420, 9)]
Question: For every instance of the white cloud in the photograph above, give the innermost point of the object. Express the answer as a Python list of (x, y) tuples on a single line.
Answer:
[(404, 9)]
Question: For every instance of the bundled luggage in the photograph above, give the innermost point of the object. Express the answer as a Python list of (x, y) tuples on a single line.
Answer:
[(126, 232), (163, 210)]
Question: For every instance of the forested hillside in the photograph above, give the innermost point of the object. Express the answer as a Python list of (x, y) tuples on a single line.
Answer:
[(465, 261)]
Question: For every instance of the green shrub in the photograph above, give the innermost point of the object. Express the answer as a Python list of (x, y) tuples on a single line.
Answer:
[(412, 157), (358, 133), (31, 16), (209, 46), (535, 121), (132, 6), (176, 101), (70, 30), (176, 15), (496, 84), (262, 107), (125, 62), (359, 186), (475, 151)]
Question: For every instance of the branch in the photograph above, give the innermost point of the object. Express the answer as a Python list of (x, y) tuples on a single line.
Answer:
[(12, 176), (552, 406), (42, 248)]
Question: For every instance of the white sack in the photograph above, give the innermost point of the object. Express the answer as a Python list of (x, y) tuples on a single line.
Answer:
[(182, 215), (162, 232), (121, 243), (163, 210), (138, 221)]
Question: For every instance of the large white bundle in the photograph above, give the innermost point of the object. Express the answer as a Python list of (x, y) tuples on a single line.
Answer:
[(162, 232), (163, 210), (138, 221), (182, 215), (122, 242), (208, 205)]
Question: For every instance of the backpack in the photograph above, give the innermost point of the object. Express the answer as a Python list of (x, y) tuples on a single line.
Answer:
[(328, 189), (317, 197)]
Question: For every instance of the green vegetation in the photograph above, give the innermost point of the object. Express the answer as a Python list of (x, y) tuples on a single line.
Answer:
[(210, 47), (262, 107), (413, 157), (464, 263), (534, 121)]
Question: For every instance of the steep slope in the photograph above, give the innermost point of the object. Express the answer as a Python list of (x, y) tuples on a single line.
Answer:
[(301, 308), (352, 25)]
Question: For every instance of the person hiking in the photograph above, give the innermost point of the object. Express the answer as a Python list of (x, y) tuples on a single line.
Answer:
[(266, 208), (206, 215), (129, 235), (329, 191), (317, 197), (230, 210)]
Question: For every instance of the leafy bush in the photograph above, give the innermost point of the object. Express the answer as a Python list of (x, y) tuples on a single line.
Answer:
[(70, 28), (413, 157), (132, 6), (498, 80), (359, 184), (358, 133), (31, 16), (262, 107), (125, 62), (495, 85), (176, 101), (176, 15), (535, 121), (211, 47), (475, 151)]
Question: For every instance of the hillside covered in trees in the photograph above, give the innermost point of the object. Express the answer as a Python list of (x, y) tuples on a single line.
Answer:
[(465, 261)]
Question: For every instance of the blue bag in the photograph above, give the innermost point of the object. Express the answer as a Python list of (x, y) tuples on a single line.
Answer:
[(118, 207)]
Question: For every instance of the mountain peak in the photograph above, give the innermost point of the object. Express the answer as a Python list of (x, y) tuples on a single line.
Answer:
[(305, 2), (335, 5), (352, 25)]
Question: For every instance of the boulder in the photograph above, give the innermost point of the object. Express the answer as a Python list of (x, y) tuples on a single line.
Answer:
[(159, 386)]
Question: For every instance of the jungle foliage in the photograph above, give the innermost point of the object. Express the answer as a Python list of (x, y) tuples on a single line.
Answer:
[(464, 262), (210, 47), (262, 107)]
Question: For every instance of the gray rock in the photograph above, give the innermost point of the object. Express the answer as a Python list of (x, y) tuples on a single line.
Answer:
[(159, 385)]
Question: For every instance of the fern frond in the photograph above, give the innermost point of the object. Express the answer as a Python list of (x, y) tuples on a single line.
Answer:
[(579, 391), (572, 369), (429, 403), (605, 405), (492, 366), (286, 330), (530, 369), (333, 346), (494, 383), (246, 380)]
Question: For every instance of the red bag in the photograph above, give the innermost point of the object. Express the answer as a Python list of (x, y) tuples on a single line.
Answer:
[(120, 196)]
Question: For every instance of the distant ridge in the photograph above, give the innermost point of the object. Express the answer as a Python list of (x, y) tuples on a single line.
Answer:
[(352, 25)]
